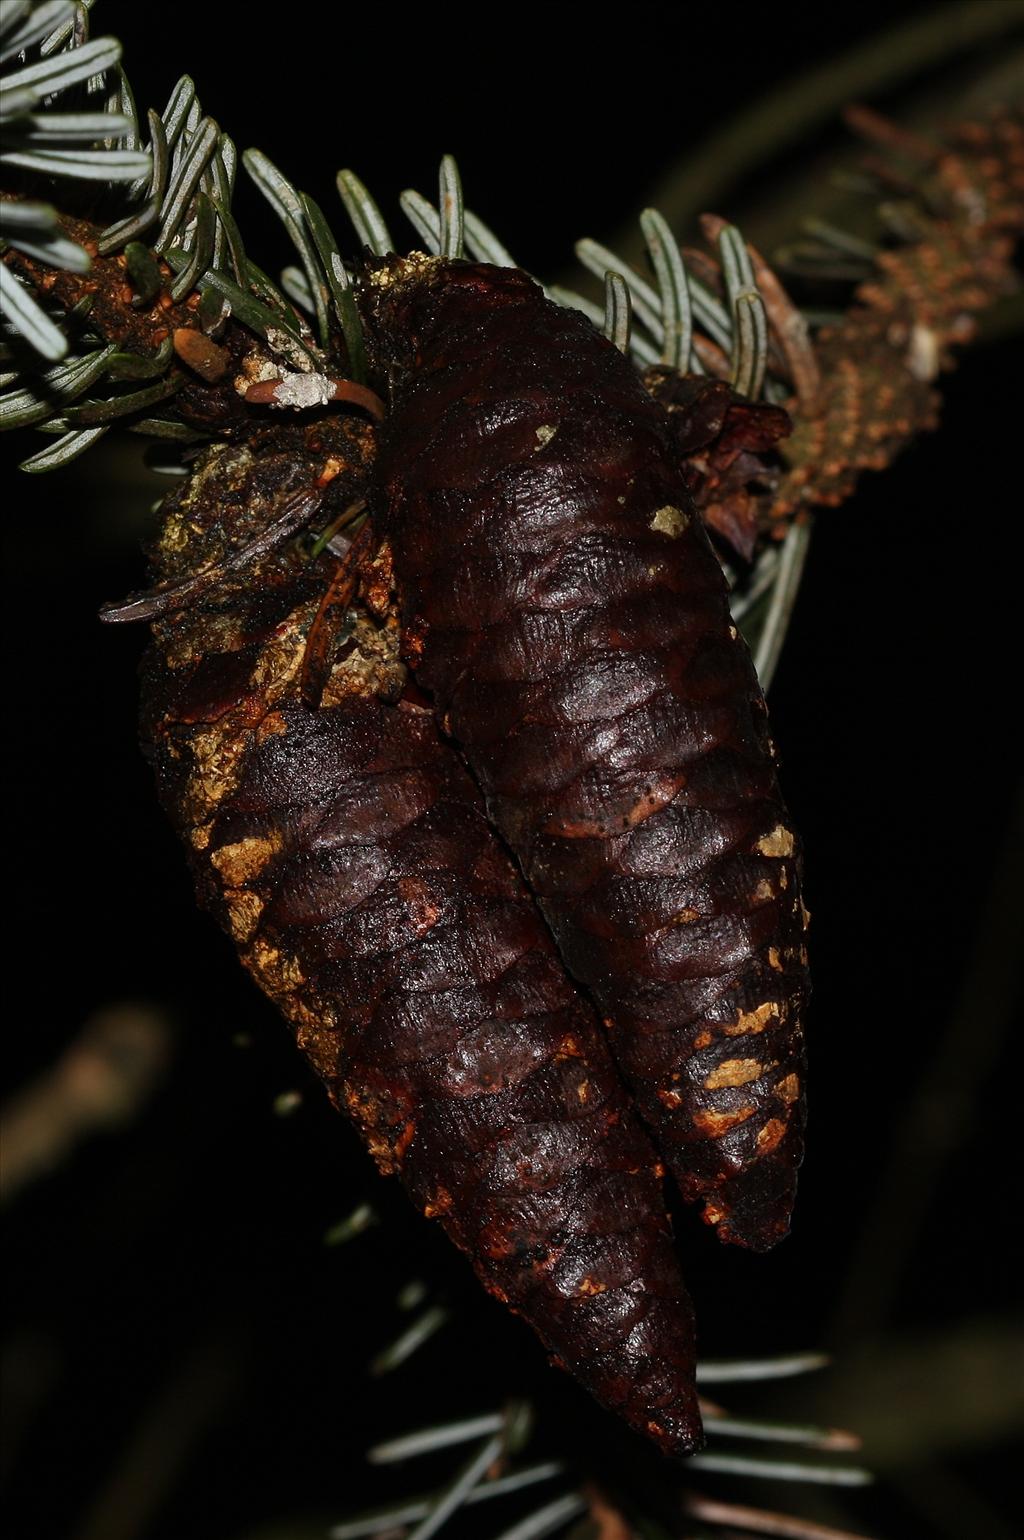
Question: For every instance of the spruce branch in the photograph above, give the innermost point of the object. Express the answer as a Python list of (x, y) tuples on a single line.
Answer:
[(167, 295), (153, 317), (505, 1432)]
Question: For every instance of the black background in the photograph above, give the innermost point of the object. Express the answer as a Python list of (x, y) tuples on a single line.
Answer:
[(179, 1338)]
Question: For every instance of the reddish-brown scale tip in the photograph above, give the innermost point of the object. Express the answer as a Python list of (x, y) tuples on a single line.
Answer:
[(634, 1347), (678, 1437), (752, 1232), (754, 1208)]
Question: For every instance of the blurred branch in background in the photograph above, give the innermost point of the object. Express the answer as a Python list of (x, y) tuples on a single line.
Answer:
[(757, 1521), (923, 1401), (149, 1465), (918, 1395), (802, 103), (102, 1081), (943, 1105)]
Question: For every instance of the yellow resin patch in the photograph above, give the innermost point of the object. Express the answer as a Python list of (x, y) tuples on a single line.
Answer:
[(755, 1020), (241, 862), (714, 1124), (789, 1089), (670, 521), (733, 1072), (778, 843), (244, 910), (770, 1136)]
